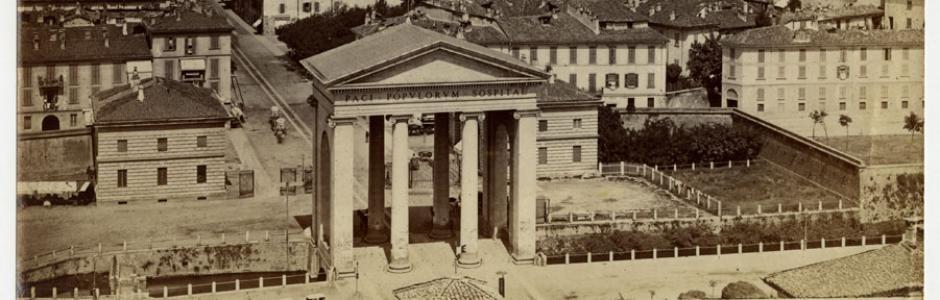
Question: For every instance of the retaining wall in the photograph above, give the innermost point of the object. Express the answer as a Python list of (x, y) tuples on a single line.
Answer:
[(891, 191), (54, 156)]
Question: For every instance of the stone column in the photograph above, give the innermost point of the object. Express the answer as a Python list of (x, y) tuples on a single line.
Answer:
[(440, 228), (341, 202), (400, 262), (524, 189), (376, 233), (469, 257), (499, 159)]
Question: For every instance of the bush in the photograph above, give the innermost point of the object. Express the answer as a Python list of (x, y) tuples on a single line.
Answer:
[(742, 290), (693, 294), (662, 142)]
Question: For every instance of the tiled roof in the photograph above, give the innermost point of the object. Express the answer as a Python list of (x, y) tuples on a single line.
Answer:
[(883, 272), (474, 33), (77, 48), (390, 44), (723, 14), (499, 8), (565, 29), (851, 11), (164, 100), (730, 19), (608, 10), (189, 21), (562, 91), (781, 36), (464, 288)]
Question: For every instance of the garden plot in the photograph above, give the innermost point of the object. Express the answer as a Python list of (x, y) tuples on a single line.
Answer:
[(582, 196)]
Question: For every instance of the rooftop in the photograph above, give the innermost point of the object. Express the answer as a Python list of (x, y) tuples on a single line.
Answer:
[(699, 13), (894, 270), (565, 29), (851, 12), (163, 101), (608, 11), (195, 18), (563, 92), (448, 288), (45, 44), (782, 37)]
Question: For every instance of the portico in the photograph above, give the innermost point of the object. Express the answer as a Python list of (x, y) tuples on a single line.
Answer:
[(393, 79)]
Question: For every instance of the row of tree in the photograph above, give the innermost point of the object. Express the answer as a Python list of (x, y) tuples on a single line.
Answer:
[(661, 141), (912, 123)]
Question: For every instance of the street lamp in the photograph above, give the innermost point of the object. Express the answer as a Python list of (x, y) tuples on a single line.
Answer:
[(287, 225)]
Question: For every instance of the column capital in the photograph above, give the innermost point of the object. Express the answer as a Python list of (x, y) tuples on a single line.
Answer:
[(478, 115), (535, 113), (411, 119), (333, 121)]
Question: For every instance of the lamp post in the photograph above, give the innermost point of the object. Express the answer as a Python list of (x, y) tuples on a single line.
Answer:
[(287, 225)]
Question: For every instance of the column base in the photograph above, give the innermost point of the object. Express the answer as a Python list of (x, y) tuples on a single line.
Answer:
[(440, 232), (469, 260), (376, 236), (399, 266), (522, 260)]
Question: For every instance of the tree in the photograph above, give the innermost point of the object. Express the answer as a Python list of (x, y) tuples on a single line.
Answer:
[(613, 136), (673, 72), (845, 121), (705, 67), (914, 124), (321, 32), (742, 290), (819, 117), (794, 5)]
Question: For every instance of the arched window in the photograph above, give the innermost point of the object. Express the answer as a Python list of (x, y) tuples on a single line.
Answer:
[(50, 123), (732, 97)]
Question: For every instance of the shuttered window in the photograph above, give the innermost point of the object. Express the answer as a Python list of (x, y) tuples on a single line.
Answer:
[(122, 145), (95, 74), (201, 174), (214, 68), (122, 178), (576, 154), (117, 73), (168, 68), (161, 144), (161, 176), (201, 141), (543, 155), (651, 80)]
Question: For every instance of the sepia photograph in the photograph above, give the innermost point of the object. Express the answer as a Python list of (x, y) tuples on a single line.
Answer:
[(468, 149)]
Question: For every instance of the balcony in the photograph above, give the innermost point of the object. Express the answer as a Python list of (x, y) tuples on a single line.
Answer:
[(50, 89)]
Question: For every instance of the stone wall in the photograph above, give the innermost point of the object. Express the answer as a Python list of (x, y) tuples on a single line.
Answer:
[(54, 156), (892, 192), (826, 166), (681, 116), (688, 98), (203, 260)]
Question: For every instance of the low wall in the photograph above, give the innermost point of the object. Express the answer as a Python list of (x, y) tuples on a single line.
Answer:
[(54, 156), (199, 260), (828, 167), (681, 116), (891, 191), (687, 98)]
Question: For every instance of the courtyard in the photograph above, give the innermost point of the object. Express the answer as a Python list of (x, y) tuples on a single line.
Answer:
[(601, 195)]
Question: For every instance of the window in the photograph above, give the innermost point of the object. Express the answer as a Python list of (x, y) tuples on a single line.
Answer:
[(117, 74), (676, 38), (822, 93), (316, 7), (202, 141), (552, 55), (612, 55), (50, 71), (760, 107), (842, 92), (631, 80), (573, 79), (884, 104), (760, 56), (904, 104), (281, 8), (201, 174), (543, 155), (822, 71), (887, 54), (122, 178), (631, 103), (650, 102), (781, 72), (910, 23), (533, 54), (576, 154), (168, 69), (863, 92), (592, 55), (592, 82), (905, 53), (27, 122), (841, 105), (822, 55), (802, 55), (543, 125), (651, 59), (122, 145), (28, 77), (884, 91), (733, 54), (801, 106), (801, 93), (631, 55), (760, 94), (843, 55), (781, 56), (651, 80), (802, 74), (884, 70), (515, 52), (573, 55), (73, 75), (612, 81), (307, 7), (731, 70), (27, 98), (169, 44), (161, 144), (576, 123), (73, 95), (910, 4), (214, 40), (73, 120), (190, 45), (863, 54), (760, 73), (213, 68), (863, 71), (161, 176), (95, 74), (781, 94)]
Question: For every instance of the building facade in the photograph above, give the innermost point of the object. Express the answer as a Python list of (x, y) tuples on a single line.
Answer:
[(903, 14), (193, 46), (567, 131), (159, 140), (781, 75)]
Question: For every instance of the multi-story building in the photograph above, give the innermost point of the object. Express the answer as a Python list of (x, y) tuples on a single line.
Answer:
[(193, 46), (60, 68), (567, 130), (781, 75), (864, 17), (271, 14), (903, 14), (159, 140)]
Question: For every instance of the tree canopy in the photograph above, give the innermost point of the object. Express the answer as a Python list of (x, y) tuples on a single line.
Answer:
[(705, 67), (318, 33)]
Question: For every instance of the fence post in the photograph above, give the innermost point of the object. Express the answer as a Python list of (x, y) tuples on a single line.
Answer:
[(739, 211), (237, 284), (711, 165), (223, 238), (75, 293), (675, 252), (802, 244), (676, 214), (165, 291), (840, 204), (799, 207), (759, 210), (632, 254), (782, 245), (32, 292), (283, 279), (600, 168), (567, 258), (729, 164), (718, 249), (883, 239), (693, 166), (247, 236), (820, 206), (708, 203), (97, 293), (674, 167), (822, 243), (698, 251), (307, 277), (719, 209), (634, 215), (589, 257), (655, 214), (654, 253), (843, 241), (189, 289), (55, 292), (779, 208), (760, 247), (740, 248), (863, 240), (213, 287), (610, 256), (260, 281), (748, 162), (622, 170)]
